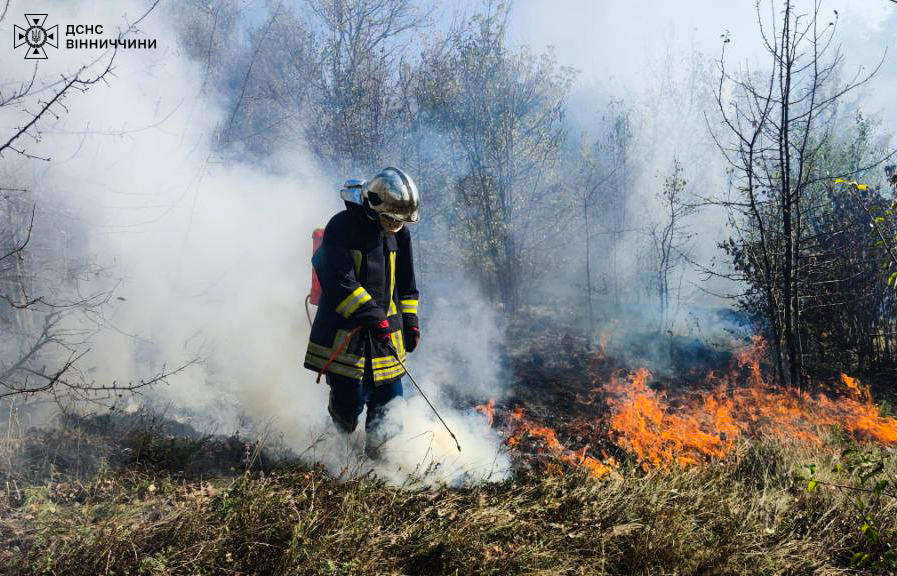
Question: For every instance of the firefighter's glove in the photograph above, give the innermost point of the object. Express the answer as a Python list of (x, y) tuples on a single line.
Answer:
[(411, 334), (380, 330)]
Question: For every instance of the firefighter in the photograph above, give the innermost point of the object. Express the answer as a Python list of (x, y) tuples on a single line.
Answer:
[(366, 270)]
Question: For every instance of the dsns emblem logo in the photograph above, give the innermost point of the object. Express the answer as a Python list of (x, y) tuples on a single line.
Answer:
[(36, 36)]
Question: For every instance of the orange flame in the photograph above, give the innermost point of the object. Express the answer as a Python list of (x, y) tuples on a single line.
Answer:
[(487, 410), (851, 383), (646, 427), (522, 426), (696, 425), (695, 429)]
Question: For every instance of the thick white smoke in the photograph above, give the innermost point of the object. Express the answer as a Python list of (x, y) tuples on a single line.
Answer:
[(210, 258), (458, 356)]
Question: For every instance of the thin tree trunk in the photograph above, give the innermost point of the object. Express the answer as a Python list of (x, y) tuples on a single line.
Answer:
[(585, 209)]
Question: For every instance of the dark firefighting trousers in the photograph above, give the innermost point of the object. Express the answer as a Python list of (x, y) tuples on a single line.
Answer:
[(348, 398)]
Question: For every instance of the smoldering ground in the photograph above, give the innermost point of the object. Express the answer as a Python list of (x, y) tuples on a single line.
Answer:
[(207, 259)]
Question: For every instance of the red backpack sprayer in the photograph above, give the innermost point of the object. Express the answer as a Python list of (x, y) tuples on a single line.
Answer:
[(314, 296)]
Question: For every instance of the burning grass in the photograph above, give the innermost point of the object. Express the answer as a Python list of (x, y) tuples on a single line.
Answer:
[(695, 428), (657, 424)]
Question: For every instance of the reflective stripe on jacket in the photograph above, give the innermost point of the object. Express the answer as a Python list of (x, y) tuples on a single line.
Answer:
[(366, 275)]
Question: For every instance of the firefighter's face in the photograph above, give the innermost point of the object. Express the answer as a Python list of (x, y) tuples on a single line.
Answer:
[(390, 225)]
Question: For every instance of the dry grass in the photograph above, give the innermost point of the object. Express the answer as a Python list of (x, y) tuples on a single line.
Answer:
[(134, 496), (749, 515)]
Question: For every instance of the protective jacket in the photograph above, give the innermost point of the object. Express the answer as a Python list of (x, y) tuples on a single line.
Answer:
[(366, 275)]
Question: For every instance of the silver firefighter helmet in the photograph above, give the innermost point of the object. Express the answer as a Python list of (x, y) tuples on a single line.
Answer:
[(393, 196)]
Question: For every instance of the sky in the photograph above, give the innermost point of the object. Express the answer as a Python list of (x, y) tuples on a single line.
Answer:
[(616, 44)]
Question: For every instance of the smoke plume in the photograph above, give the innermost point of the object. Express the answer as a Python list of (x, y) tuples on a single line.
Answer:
[(209, 259)]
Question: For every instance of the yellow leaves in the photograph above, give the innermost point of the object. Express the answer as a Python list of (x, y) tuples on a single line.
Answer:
[(851, 183)]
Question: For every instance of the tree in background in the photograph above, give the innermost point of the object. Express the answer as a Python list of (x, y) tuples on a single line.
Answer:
[(671, 240), (503, 113), (781, 127), (358, 86), (39, 286)]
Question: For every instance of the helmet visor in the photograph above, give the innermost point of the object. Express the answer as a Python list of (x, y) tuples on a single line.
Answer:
[(390, 224), (404, 217)]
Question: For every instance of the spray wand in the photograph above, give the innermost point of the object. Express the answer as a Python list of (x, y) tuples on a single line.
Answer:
[(430, 404)]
